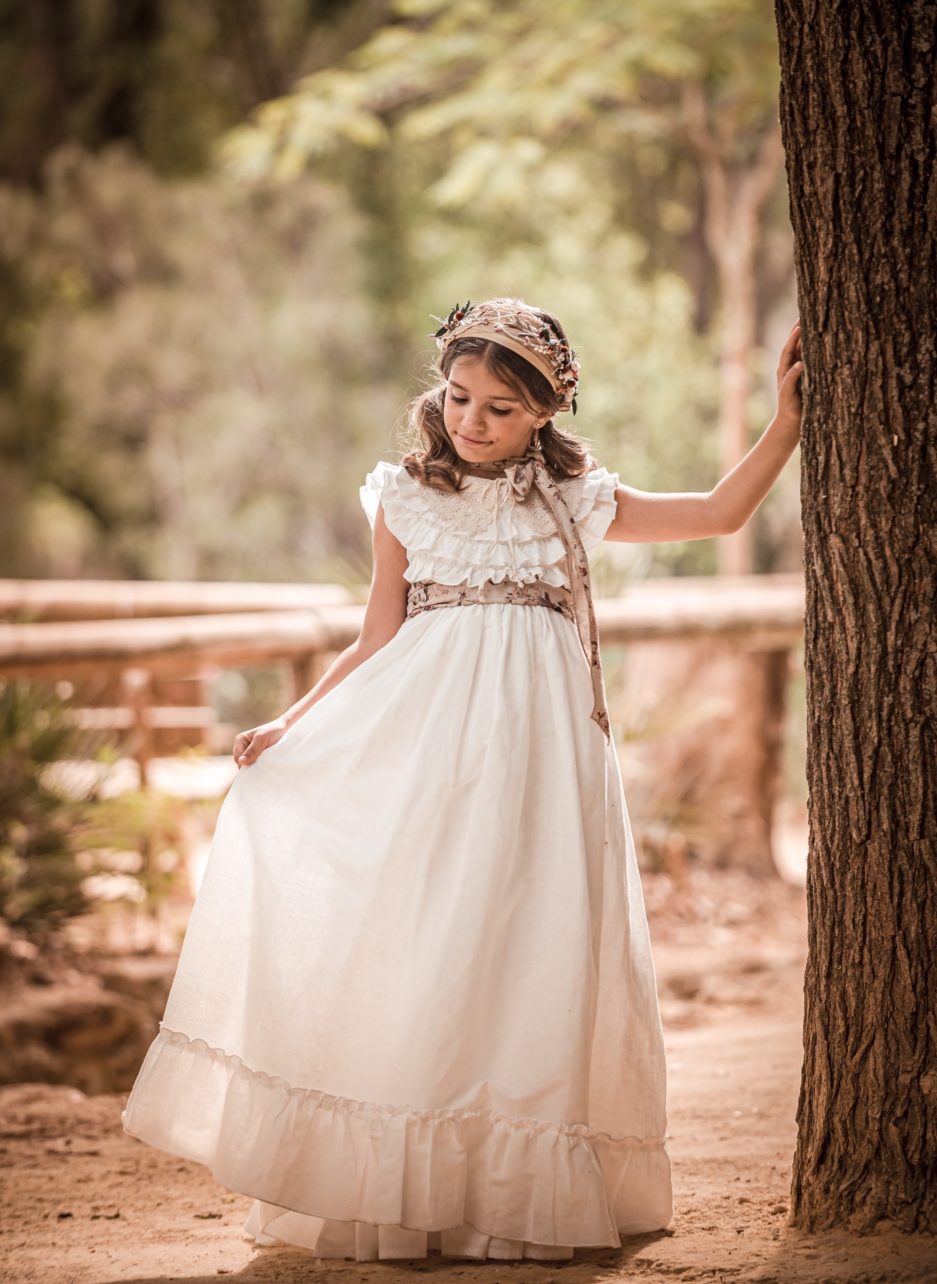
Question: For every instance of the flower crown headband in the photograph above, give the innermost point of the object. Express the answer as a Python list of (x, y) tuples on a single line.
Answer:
[(519, 328)]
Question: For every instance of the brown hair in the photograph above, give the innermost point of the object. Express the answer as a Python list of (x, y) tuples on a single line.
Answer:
[(437, 463)]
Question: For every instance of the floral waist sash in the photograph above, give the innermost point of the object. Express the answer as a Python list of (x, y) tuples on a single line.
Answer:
[(426, 595)]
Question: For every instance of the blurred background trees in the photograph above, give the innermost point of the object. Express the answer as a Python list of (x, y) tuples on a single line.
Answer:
[(224, 230)]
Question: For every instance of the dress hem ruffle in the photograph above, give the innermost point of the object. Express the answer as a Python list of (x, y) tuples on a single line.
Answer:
[(370, 1242), (341, 1159)]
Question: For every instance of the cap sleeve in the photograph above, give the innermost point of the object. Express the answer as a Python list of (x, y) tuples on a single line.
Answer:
[(381, 486), (593, 503)]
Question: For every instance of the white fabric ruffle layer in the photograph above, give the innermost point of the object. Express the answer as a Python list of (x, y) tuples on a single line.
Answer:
[(488, 1184), (489, 536), (366, 1242)]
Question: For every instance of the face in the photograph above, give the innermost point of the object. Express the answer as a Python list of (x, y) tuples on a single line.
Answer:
[(486, 419)]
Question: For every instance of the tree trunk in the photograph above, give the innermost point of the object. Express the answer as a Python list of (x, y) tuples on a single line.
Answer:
[(857, 113)]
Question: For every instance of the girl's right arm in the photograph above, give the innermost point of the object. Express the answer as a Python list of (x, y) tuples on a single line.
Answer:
[(384, 613)]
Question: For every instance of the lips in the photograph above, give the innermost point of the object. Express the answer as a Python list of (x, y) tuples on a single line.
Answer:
[(471, 440)]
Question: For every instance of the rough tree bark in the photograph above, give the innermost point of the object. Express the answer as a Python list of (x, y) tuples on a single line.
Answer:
[(857, 108)]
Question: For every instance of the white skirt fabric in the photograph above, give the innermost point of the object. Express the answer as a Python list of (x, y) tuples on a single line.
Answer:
[(415, 1008)]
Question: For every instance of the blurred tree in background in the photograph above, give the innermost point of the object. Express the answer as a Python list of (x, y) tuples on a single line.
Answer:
[(656, 121), (184, 358), (163, 76), (224, 229)]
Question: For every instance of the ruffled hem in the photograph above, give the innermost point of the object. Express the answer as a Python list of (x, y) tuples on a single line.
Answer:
[(455, 556), (328, 1238), (335, 1158)]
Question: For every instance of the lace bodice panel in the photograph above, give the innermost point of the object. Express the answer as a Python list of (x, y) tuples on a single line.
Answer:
[(484, 532)]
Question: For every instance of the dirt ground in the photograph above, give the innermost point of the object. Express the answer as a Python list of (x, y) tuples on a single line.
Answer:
[(85, 1204)]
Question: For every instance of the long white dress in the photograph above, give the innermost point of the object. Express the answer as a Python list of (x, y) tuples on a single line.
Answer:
[(415, 1007)]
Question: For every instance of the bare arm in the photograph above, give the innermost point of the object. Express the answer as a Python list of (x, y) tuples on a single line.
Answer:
[(646, 516), (384, 613)]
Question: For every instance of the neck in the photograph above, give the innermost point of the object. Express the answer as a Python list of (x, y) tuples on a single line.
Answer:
[(495, 467)]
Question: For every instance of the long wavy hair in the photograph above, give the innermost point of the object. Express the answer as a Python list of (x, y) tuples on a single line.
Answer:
[(437, 463)]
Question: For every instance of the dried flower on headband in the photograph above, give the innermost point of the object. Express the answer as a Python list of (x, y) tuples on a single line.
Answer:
[(516, 326)]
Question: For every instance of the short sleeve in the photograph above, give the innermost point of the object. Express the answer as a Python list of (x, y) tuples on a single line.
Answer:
[(594, 504), (378, 484)]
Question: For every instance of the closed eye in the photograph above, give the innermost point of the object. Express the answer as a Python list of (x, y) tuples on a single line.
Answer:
[(460, 401)]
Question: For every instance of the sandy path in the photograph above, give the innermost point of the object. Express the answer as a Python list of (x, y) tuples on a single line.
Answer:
[(84, 1203)]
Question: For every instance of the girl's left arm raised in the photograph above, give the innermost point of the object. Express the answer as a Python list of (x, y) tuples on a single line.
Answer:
[(654, 516)]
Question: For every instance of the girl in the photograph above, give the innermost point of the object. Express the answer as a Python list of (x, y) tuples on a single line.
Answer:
[(415, 1007)]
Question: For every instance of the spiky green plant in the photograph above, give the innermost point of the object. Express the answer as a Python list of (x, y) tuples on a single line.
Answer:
[(40, 876)]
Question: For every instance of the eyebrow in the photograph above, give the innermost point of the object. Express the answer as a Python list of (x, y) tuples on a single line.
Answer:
[(495, 398)]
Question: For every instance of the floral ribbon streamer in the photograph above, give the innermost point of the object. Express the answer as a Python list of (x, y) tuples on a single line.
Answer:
[(523, 473)]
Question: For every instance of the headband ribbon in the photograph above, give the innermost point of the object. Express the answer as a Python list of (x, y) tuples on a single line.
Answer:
[(516, 326)]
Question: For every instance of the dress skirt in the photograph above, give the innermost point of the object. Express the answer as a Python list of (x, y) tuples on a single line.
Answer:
[(415, 1007)]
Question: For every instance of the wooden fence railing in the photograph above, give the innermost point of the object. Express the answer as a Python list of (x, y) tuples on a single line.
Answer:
[(33, 601), (142, 634)]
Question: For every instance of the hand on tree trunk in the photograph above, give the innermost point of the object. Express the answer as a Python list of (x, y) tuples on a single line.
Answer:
[(790, 368)]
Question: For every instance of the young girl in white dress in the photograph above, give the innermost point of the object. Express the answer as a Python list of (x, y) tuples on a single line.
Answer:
[(415, 1008)]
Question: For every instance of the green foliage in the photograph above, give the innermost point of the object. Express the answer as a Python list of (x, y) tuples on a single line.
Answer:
[(140, 833), (510, 92), (165, 76), (67, 841), (551, 159), (204, 389), (197, 373), (40, 877)]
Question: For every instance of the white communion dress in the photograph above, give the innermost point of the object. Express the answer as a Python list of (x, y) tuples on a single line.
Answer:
[(415, 1007)]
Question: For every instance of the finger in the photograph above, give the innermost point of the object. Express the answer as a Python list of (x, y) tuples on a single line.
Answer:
[(789, 353)]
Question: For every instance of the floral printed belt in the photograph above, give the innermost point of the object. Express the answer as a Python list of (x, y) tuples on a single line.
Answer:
[(426, 595)]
